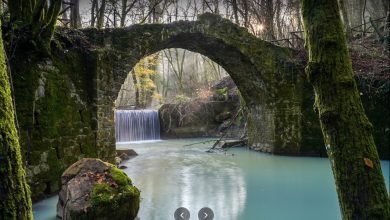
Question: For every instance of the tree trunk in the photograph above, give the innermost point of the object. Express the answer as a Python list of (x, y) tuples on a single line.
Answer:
[(100, 17), (40, 22), (245, 13), (64, 11), (16, 10), (94, 12), (75, 20), (347, 132), (123, 13), (344, 14), (269, 20), (137, 87), (235, 11), (15, 200), (355, 7)]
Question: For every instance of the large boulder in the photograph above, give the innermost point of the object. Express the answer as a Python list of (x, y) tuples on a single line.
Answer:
[(93, 189)]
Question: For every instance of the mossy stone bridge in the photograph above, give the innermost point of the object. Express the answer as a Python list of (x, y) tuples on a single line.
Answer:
[(268, 77)]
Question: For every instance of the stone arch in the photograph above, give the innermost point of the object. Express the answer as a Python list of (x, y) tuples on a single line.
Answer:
[(266, 75)]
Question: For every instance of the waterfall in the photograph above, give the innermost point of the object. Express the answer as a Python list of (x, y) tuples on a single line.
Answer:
[(136, 125)]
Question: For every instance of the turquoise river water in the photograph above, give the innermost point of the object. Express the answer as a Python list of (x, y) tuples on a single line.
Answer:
[(237, 185)]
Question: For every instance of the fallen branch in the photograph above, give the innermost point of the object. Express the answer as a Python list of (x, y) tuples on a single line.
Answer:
[(202, 142)]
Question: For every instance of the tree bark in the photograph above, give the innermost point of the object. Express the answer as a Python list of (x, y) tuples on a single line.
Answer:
[(355, 7), (100, 16), (75, 20), (15, 200), (245, 13), (347, 132), (235, 11), (123, 13), (37, 17), (269, 20), (94, 12), (344, 14)]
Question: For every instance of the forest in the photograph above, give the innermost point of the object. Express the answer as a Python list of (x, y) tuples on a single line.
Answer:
[(223, 86)]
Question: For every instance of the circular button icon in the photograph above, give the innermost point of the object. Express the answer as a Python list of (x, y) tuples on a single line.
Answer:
[(182, 214), (206, 214)]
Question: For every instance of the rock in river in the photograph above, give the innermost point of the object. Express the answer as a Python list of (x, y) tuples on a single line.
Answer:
[(93, 189)]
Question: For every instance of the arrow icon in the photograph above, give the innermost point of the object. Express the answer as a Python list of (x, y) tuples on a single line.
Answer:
[(206, 214), (182, 214)]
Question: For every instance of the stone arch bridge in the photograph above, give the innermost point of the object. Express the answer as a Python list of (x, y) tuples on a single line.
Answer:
[(268, 77)]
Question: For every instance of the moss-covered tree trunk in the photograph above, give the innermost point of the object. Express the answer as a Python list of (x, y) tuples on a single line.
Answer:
[(347, 131), (36, 16), (15, 203)]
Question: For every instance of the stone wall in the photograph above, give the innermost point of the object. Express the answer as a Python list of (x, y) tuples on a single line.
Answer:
[(56, 112), (266, 75)]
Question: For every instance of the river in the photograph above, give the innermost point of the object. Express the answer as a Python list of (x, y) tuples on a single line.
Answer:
[(237, 185)]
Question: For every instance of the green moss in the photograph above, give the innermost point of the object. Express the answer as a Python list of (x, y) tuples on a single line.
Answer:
[(122, 199), (103, 196), (15, 202), (347, 132), (62, 120), (120, 177)]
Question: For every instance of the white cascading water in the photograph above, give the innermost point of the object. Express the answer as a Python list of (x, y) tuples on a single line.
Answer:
[(136, 125)]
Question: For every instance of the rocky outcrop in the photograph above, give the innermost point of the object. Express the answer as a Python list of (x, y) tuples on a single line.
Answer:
[(204, 117), (127, 152), (225, 89), (93, 189), (196, 119), (124, 154)]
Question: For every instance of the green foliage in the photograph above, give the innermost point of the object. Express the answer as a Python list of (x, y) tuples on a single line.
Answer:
[(145, 72), (222, 92)]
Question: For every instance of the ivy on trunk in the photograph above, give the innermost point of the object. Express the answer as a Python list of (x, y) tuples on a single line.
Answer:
[(346, 129)]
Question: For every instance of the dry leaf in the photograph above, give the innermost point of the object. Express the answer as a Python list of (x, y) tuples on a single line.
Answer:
[(368, 162)]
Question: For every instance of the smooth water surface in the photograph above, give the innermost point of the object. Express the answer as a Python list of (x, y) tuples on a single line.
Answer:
[(238, 185)]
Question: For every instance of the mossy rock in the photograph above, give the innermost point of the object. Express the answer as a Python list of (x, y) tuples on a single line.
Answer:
[(93, 189)]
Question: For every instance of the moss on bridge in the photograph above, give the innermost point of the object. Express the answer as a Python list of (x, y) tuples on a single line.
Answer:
[(65, 102)]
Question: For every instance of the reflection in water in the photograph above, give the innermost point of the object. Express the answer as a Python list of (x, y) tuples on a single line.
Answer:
[(186, 177), (246, 186)]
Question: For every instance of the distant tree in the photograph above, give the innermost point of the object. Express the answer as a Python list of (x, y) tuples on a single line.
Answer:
[(176, 62), (235, 11), (346, 129), (269, 20), (127, 6), (100, 14), (75, 20), (94, 12), (15, 200)]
